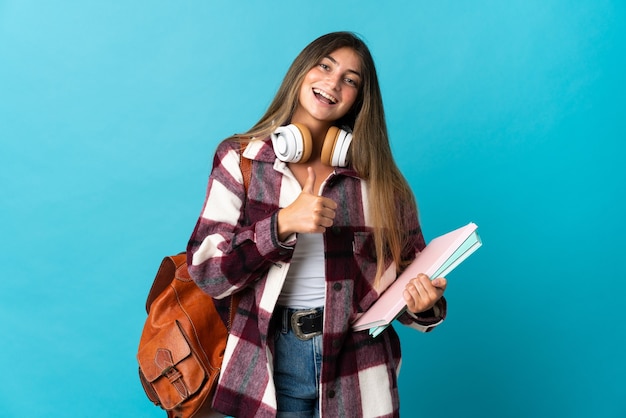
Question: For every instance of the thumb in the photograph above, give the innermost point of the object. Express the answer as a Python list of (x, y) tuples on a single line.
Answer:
[(310, 181), (440, 282)]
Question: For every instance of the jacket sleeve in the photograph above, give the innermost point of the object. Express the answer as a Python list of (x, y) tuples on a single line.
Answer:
[(225, 253), (426, 321)]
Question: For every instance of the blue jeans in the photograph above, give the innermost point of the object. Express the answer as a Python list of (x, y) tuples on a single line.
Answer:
[(297, 367)]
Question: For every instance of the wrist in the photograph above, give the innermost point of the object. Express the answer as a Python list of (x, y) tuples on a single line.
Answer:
[(282, 229)]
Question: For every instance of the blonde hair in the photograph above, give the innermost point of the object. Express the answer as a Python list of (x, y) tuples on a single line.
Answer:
[(370, 152)]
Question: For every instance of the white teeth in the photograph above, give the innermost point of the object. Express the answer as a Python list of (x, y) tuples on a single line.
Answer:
[(325, 95)]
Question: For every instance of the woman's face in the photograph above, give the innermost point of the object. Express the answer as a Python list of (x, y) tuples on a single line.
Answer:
[(330, 88)]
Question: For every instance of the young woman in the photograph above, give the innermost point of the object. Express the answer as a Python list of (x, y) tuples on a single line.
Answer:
[(312, 243)]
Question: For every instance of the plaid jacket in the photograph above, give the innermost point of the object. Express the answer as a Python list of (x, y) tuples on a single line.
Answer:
[(234, 248)]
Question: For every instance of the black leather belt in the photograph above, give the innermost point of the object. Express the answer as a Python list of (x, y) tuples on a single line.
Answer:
[(305, 323)]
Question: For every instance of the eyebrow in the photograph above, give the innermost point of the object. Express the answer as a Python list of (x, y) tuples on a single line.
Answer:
[(334, 61)]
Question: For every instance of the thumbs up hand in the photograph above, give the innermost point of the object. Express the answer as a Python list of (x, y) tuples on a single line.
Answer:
[(308, 214)]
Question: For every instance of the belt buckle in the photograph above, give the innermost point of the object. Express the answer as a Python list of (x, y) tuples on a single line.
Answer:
[(296, 324)]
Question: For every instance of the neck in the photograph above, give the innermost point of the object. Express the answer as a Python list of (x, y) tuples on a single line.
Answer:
[(318, 133), (317, 127)]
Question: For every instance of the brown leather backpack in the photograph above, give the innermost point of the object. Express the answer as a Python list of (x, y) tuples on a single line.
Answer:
[(183, 340)]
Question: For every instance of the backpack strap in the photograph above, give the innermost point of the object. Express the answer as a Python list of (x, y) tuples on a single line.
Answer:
[(246, 167)]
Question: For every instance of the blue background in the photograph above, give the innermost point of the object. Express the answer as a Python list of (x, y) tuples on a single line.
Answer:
[(509, 114)]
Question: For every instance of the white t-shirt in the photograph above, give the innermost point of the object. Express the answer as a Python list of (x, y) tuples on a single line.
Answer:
[(305, 285)]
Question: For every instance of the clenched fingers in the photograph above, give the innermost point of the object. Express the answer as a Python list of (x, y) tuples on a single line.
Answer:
[(421, 293)]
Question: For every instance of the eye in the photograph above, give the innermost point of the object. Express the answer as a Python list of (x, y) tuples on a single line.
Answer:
[(351, 82), (324, 66)]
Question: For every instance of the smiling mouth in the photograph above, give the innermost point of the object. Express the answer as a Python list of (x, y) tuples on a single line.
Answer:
[(325, 97)]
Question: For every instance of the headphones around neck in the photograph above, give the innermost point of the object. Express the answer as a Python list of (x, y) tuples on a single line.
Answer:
[(293, 144)]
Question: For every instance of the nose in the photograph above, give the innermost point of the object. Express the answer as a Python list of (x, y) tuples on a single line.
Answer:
[(334, 80)]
